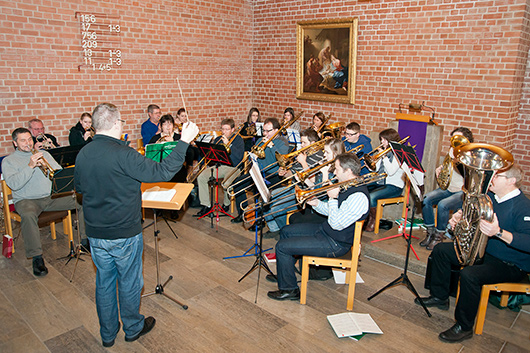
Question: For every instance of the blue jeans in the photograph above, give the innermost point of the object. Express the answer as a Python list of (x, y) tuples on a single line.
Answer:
[(302, 239), (278, 220), (384, 192), (446, 202), (121, 260)]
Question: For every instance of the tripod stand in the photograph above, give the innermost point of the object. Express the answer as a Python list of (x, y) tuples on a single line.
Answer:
[(216, 207), (159, 288), (160, 212)]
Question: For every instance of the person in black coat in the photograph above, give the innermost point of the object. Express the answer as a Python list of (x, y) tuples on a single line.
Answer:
[(82, 132)]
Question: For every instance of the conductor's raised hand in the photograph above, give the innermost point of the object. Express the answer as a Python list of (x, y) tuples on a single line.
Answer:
[(189, 132)]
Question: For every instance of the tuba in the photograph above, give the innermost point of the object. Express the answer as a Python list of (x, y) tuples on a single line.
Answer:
[(481, 162), (444, 177)]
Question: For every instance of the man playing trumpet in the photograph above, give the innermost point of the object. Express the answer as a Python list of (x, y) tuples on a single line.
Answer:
[(32, 193), (237, 149), (332, 238)]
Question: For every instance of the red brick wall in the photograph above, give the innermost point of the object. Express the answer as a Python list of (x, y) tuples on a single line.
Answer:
[(465, 58), (207, 45)]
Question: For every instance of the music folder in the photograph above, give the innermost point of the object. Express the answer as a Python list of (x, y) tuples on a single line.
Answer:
[(216, 153), (158, 151)]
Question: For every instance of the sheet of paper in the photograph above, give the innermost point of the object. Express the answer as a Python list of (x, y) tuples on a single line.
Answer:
[(366, 323), (343, 325), (158, 194)]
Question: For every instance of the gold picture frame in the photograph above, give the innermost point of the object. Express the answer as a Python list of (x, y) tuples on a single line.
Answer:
[(323, 47)]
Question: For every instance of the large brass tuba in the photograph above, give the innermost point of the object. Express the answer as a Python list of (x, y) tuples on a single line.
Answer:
[(481, 162), (444, 177)]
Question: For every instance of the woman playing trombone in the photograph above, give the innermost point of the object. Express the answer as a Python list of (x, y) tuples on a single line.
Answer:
[(394, 182), (288, 115)]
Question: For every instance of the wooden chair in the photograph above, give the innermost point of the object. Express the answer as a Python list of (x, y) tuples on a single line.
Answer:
[(506, 289), (381, 203), (45, 218), (348, 262)]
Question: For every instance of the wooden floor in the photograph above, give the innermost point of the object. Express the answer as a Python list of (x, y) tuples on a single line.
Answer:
[(52, 314)]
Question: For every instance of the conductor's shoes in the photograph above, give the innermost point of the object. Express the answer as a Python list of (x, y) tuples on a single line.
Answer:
[(204, 210), (39, 268), (149, 323), (238, 219), (293, 294), (431, 301), (455, 334)]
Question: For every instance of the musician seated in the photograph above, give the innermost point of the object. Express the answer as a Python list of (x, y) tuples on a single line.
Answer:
[(268, 165), (288, 115), (507, 256), (353, 138), (32, 194), (318, 121), (249, 131), (392, 185), (237, 149), (333, 238), (41, 140), (446, 200), (150, 127), (283, 198), (82, 132)]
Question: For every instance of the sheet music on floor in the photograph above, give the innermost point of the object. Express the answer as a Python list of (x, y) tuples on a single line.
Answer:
[(158, 194), (353, 325)]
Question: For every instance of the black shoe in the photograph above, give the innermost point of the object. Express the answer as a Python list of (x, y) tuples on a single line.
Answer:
[(437, 239), (238, 219), (253, 228), (293, 294), (428, 236), (39, 268), (271, 278), (455, 334), (108, 344), (149, 323), (204, 210), (226, 209), (431, 301), (271, 235)]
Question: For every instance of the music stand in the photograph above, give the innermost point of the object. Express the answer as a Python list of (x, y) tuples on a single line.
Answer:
[(215, 153), (65, 156), (182, 190), (406, 154)]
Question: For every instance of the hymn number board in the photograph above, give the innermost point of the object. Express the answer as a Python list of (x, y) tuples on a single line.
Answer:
[(100, 41)]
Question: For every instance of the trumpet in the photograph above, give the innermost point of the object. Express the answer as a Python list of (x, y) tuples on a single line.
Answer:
[(333, 130), (285, 159), (92, 131), (371, 158), (45, 166), (46, 142), (303, 195)]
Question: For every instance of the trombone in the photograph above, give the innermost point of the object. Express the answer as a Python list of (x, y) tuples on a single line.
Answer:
[(259, 150), (371, 158), (326, 119), (285, 160)]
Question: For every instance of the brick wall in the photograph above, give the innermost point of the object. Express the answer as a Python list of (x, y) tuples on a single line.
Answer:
[(207, 45), (465, 58)]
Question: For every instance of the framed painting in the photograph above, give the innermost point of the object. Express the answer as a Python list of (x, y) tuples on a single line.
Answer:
[(326, 52)]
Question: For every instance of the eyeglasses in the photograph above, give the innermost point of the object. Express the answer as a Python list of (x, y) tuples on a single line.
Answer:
[(121, 120), (267, 131), (350, 134)]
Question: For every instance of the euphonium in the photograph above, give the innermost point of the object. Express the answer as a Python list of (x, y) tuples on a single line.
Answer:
[(333, 130), (444, 177), (304, 195), (481, 162), (285, 159), (371, 158), (44, 166)]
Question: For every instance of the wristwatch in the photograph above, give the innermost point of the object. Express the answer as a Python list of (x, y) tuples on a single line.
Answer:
[(499, 234)]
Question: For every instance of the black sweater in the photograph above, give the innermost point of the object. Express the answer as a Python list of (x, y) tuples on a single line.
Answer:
[(109, 173), (76, 135)]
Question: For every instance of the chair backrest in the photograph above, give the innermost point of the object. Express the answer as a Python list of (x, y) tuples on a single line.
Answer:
[(8, 215)]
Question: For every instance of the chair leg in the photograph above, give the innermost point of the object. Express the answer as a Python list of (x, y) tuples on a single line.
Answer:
[(378, 216), (305, 279), (504, 299), (482, 307), (52, 230)]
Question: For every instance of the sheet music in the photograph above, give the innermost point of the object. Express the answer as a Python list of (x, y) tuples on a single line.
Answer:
[(353, 324), (158, 194)]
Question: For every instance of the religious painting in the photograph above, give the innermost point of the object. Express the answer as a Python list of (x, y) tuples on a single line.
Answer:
[(326, 52)]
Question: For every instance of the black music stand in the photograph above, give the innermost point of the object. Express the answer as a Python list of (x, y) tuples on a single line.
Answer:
[(215, 153), (406, 155), (176, 202)]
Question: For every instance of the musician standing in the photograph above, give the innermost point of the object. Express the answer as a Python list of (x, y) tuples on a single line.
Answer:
[(280, 145), (332, 238), (32, 194), (109, 174), (445, 200), (507, 257), (41, 140), (81, 133), (150, 127), (237, 149)]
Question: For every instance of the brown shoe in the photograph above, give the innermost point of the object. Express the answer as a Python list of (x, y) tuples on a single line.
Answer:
[(429, 236), (370, 222), (437, 239)]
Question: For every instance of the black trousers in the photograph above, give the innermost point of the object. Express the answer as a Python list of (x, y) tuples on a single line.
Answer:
[(492, 270)]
